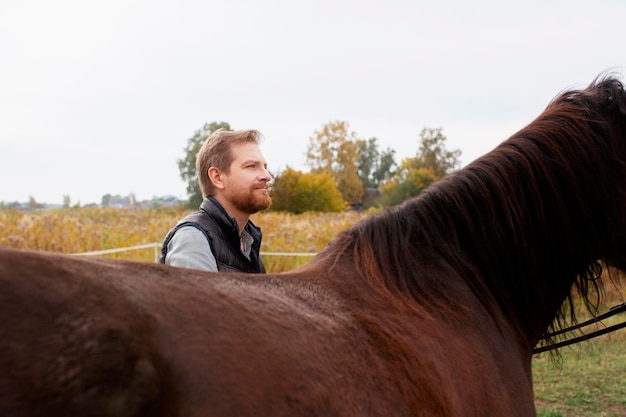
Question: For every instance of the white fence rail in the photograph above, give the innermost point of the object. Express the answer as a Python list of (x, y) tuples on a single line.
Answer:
[(156, 246), (157, 251)]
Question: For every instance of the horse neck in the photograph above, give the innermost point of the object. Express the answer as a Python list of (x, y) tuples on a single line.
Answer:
[(522, 225)]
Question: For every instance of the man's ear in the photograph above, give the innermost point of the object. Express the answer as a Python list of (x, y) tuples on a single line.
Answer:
[(215, 175)]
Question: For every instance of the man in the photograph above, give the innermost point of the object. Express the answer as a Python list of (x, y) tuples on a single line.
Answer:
[(233, 177)]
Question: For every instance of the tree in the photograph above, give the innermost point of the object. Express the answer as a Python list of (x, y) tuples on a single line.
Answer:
[(408, 183), (66, 201), (33, 204), (297, 192), (434, 155), (335, 150), (386, 163), (432, 161), (187, 165), (373, 166)]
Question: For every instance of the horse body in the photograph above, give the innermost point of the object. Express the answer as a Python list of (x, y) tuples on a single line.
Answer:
[(431, 308), (112, 343)]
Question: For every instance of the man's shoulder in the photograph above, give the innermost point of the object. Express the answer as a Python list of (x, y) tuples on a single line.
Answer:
[(189, 229)]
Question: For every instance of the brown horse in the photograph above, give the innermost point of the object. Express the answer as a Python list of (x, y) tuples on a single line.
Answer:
[(431, 308)]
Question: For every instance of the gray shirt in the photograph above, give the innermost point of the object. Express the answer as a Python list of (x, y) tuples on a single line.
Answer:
[(189, 248)]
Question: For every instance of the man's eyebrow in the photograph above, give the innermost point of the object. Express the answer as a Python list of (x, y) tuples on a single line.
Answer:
[(253, 161)]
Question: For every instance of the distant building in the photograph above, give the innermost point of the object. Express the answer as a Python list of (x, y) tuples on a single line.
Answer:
[(118, 201)]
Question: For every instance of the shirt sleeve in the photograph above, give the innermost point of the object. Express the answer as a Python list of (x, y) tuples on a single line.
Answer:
[(189, 248)]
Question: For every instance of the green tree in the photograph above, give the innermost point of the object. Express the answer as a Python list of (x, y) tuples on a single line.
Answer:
[(434, 155), (432, 161), (334, 150), (66, 201), (374, 166), (298, 192), (187, 165), (385, 168)]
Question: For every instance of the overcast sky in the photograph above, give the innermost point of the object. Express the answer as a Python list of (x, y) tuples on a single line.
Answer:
[(101, 97)]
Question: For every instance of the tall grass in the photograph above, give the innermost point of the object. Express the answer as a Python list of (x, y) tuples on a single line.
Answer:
[(586, 380), (86, 230), (303, 233), (94, 229)]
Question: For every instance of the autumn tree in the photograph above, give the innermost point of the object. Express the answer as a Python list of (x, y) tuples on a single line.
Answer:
[(187, 165), (334, 150), (297, 192)]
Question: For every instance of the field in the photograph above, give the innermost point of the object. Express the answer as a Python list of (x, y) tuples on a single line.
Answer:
[(94, 229), (585, 380)]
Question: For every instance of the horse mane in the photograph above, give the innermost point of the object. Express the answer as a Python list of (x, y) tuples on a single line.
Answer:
[(527, 219)]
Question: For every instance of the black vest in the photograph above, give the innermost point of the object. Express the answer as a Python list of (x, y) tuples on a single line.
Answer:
[(222, 234)]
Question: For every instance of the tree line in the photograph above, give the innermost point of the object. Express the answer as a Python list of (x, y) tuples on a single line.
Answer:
[(344, 170)]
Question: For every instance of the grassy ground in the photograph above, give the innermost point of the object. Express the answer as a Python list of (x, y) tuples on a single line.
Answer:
[(587, 379)]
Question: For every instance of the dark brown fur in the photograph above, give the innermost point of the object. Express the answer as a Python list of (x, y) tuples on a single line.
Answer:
[(431, 308)]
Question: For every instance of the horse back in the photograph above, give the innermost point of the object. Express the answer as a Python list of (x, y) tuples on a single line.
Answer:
[(96, 337)]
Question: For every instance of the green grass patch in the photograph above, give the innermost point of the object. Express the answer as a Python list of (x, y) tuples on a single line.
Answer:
[(588, 379)]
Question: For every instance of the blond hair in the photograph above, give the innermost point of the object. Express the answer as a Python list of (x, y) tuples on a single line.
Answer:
[(216, 152)]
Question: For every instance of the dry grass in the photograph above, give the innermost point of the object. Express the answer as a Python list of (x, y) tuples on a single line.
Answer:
[(87, 230), (302, 233)]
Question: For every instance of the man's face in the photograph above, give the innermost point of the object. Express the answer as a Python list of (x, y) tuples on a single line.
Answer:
[(246, 185)]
